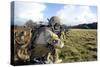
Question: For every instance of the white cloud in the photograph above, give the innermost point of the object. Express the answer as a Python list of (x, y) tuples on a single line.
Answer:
[(73, 15), (28, 10)]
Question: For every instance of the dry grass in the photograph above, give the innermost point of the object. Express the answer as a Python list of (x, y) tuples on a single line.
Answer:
[(80, 45)]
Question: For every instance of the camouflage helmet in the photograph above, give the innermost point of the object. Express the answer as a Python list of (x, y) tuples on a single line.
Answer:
[(54, 20)]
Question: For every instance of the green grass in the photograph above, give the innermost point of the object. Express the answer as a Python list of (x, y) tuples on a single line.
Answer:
[(80, 45)]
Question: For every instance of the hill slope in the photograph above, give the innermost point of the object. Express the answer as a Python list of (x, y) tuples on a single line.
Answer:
[(86, 26)]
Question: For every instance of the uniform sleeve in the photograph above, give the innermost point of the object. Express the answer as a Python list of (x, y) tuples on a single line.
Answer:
[(63, 36)]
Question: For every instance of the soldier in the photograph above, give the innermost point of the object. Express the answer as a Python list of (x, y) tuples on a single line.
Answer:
[(46, 42), (46, 46), (55, 25), (42, 45), (21, 43)]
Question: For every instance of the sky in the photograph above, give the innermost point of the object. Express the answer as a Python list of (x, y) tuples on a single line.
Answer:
[(69, 14)]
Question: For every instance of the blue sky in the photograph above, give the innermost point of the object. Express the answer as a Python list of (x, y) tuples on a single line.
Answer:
[(52, 9), (94, 9), (69, 14)]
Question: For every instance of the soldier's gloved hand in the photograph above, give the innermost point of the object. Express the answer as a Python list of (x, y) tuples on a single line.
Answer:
[(55, 42)]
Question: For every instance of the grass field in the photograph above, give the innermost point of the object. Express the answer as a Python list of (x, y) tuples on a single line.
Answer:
[(80, 45)]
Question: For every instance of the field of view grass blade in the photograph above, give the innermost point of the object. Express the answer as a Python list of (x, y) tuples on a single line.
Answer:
[(80, 45)]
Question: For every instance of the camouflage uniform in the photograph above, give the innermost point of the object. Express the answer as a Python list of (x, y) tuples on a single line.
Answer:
[(55, 26), (21, 42), (46, 52)]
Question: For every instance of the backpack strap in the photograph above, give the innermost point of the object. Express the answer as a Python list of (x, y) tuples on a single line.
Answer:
[(35, 35)]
